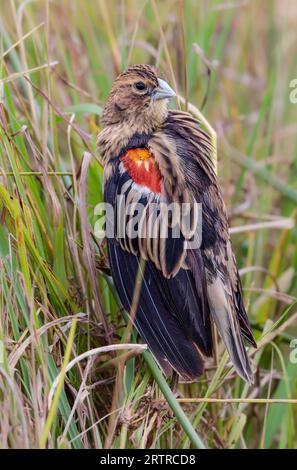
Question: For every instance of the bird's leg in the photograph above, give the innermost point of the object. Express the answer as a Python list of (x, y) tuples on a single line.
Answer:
[(174, 383)]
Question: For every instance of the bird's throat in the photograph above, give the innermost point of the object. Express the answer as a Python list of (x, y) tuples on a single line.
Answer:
[(142, 168)]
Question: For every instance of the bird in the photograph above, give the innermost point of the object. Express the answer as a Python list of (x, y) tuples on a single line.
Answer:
[(155, 156)]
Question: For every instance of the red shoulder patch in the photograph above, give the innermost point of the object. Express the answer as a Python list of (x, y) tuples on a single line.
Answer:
[(142, 168)]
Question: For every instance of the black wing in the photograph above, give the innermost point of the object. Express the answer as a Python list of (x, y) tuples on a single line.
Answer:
[(223, 286)]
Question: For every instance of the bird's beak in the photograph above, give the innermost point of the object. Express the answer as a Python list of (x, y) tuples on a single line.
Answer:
[(162, 91)]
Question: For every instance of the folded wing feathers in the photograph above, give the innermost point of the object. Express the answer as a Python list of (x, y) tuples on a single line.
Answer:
[(226, 320), (154, 319)]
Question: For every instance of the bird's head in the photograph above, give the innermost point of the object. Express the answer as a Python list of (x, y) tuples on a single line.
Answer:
[(138, 98)]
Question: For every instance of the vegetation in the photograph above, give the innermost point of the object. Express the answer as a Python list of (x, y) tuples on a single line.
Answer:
[(234, 61)]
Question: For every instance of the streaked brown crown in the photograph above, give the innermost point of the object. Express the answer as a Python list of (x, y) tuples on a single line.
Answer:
[(145, 71)]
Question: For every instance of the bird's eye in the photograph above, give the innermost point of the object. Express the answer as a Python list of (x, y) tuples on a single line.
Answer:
[(140, 86)]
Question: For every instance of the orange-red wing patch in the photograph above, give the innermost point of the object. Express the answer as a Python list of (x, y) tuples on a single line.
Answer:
[(142, 168)]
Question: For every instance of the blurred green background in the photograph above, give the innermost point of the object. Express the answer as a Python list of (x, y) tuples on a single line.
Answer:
[(235, 62)]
